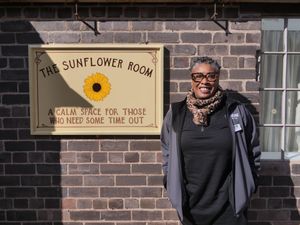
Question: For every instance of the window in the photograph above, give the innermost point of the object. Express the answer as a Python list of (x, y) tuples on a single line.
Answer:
[(280, 88)]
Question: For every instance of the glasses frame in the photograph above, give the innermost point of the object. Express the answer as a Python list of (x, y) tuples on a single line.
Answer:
[(208, 78)]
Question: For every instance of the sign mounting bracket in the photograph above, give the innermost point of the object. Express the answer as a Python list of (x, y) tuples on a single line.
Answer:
[(214, 19), (77, 16)]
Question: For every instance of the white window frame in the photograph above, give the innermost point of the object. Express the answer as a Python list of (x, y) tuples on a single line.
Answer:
[(283, 154)]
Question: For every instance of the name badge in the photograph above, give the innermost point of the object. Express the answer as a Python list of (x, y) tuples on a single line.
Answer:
[(235, 121), (237, 127)]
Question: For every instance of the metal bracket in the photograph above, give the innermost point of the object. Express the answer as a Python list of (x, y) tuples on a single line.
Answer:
[(93, 28), (214, 19)]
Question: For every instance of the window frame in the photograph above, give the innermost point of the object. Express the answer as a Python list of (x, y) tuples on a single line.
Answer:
[(283, 154)]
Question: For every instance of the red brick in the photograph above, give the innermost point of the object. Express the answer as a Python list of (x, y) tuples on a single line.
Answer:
[(84, 215), (83, 145), (115, 157), (179, 74), (97, 223), (273, 215), (146, 168), (196, 37), (98, 180), (147, 192), (232, 85), (49, 192), (100, 204), (253, 38), (283, 181), (280, 168), (131, 223), (49, 215), (208, 25), (114, 192), (147, 203), (213, 50), (170, 215), (22, 215), (128, 37), (231, 38), (68, 203), (145, 145), (230, 62), (290, 203), (67, 157), (252, 86), (115, 169), (274, 192), (83, 192), (155, 180), (114, 145), (149, 157), (274, 203), (131, 203), (84, 204), (163, 37), (21, 192), (178, 25), (130, 180), (84, 157), (187, 50), (181, 62), (146, 215), (116, 215), (163, 204), (115, 204), (244, 49), (258, 203), (131, 157), (100, 157), (242, 74), (83, 169), (246, 25)]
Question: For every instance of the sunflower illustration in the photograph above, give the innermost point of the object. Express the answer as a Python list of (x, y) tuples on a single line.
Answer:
[(96, 87)]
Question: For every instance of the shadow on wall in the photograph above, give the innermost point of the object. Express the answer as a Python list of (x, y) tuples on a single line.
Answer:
[(30, 181), (275, 202)]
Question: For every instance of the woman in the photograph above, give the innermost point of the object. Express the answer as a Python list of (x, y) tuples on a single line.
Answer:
[(210, 152)]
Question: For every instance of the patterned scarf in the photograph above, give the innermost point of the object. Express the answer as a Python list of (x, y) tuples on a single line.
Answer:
[(201, 108)]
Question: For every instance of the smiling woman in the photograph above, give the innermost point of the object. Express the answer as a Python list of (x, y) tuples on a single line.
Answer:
[(206, 123)]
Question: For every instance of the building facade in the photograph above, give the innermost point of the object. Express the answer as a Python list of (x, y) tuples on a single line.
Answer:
[(117, 180)]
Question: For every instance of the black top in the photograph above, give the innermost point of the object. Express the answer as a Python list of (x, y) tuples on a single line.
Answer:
[(207, 159)]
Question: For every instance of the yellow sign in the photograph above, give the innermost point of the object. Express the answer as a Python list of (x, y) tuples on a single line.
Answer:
[(96, 89)]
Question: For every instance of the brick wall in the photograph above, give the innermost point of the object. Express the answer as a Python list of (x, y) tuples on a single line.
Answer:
[(117, 180)]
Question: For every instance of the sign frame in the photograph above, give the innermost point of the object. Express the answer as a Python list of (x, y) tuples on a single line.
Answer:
[(36, 90)]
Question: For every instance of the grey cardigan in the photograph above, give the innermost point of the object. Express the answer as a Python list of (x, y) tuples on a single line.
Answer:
[(246, 155)]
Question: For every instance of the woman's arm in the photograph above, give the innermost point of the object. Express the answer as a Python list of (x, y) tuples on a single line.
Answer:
[(165, 140)]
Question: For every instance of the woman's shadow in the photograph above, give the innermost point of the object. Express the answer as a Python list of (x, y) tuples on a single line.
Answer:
[(275, 201)]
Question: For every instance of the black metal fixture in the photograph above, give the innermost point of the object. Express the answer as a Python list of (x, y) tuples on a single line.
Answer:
[(214, 19), (77, 16)]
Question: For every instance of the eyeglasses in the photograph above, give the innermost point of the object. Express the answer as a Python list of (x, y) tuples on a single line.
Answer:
[(198, 77)]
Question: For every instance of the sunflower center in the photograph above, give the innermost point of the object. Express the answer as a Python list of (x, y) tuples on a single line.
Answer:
[(96, 87)]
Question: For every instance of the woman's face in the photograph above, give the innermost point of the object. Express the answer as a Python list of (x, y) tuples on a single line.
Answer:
[(205, 81)]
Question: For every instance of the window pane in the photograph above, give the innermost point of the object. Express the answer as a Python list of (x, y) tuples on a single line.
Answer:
[(293, 71), (293, 107), (293, 35), (272, 34), (271, 71), (292, 139), (271, 110), (270, 139)]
